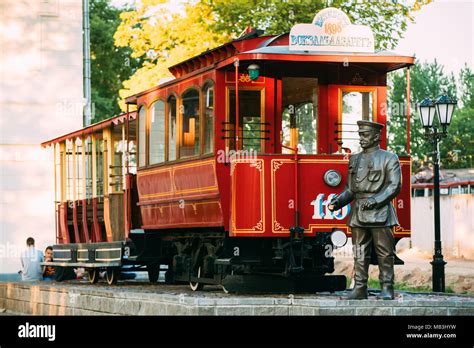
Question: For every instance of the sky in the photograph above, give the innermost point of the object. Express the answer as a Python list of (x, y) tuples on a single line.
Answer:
[(443, 30)]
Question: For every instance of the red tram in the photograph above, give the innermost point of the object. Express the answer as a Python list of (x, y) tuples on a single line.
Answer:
[(224, 173)]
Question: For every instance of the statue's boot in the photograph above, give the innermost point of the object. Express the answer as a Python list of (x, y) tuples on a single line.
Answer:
[(361, 276), (387, 278), (387, 292)]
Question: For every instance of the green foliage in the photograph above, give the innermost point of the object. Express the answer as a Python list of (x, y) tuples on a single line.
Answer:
[(162, 37), (429, 80), (110, 65), (388, 19)]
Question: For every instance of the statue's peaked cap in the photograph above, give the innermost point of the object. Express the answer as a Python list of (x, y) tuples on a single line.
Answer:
[(368, 126)]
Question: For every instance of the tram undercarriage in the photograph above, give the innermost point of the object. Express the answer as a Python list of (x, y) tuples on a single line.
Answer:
[(295, 264)]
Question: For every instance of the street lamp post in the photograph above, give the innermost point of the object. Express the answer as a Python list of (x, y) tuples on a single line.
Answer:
[(443, 107)]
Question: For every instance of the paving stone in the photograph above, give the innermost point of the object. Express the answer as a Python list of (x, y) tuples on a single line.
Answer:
[(460, 311), (373, 311), (464, 303), (206, 310), (234, 310), (264, 310), (309, 311), (419, 311), (336, 311), (295, 310)]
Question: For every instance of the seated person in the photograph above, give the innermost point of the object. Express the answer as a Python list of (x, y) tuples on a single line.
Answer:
[(30, 262), (48, 271)]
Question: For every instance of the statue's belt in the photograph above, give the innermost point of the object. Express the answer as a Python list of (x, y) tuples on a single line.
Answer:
[(363, 195)]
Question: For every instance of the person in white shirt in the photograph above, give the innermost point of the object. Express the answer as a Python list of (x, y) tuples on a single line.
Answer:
[(30, 262)]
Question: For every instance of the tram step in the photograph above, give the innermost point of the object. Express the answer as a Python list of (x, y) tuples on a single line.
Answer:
[(233, 260), (223, 262)]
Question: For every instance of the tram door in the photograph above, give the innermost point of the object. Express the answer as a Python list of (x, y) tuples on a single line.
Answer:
[(356, 103), (252, 126), (299, 114)]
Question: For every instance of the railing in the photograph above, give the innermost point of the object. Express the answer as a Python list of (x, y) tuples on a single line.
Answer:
[(246, 139)]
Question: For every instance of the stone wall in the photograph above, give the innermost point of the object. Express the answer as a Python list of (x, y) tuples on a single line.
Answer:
[(457, 225), (40, 99)]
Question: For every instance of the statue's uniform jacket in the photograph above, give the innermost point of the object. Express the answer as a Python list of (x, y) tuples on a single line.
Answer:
[(374, 174)]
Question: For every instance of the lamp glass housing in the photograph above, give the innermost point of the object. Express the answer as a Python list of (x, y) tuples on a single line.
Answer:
[(427, 112), (445, 109)]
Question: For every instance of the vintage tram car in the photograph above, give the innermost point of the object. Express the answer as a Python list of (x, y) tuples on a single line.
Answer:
[(224, 172)]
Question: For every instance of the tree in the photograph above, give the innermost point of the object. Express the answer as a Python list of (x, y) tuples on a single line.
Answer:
[(457, 149), (429, 80), (110, 65), (162, 36), (388, 19)]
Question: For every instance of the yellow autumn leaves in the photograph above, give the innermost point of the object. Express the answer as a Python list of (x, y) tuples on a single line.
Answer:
[(164, 33)]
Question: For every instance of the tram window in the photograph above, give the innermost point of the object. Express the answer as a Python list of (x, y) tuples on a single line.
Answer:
[(355, 106), (306, 126), (88, 149), (471, 189), (455, 190), (250, 120), (141, 137), (119, 146), (69, 172), (208, 119), (79, 169), (419, 192), (464, 189), (156, 138), (299, 104), (190, 124), (132, 161), (99, 166), (172, 128)]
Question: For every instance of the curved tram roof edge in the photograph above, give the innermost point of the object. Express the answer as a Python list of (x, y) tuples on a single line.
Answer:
[(388, 61), (91, 129)]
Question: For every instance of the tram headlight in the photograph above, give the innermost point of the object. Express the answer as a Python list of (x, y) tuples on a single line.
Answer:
[(338, 238), (332, 177)]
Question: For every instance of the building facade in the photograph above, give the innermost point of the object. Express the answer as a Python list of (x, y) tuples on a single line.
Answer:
[(41, 95)]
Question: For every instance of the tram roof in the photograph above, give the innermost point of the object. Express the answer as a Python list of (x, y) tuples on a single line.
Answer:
[(254, 47), (362, 57), (380, 61), (91, 129)]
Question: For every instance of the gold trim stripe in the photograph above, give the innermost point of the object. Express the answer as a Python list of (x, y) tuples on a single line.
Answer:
[(172, 171)]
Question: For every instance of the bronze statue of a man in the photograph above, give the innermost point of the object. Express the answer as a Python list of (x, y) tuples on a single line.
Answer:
[(373, 181)]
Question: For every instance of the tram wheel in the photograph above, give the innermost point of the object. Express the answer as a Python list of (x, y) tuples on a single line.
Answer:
[(196, 286), (169, 277), (153, 270), (93, 275), (112, 275)]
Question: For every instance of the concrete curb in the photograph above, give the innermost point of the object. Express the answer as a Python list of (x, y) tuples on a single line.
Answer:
[(83, 299)]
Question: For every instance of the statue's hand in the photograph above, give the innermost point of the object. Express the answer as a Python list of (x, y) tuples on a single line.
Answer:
[(369, 204), (334, 204)]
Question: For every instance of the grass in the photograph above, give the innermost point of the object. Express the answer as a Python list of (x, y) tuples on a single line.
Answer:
[(374, 284)]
